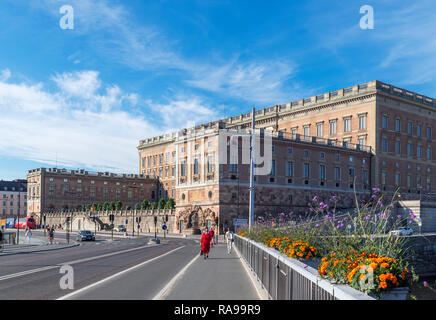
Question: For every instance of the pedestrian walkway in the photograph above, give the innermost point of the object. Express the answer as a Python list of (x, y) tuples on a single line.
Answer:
[(220, 277), (30, 248)]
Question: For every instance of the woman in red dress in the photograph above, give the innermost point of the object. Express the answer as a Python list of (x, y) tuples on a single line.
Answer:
[(205, 244)]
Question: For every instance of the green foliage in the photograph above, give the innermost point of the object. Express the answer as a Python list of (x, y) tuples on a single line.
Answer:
[(161, 203), (144, 204), (366, 229), (88, 207), (112, 205), (106, 206), (171, 204), (99, 207), (153, 205), (118, 205)]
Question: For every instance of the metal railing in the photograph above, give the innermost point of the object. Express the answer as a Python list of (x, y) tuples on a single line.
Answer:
[(289, 279)]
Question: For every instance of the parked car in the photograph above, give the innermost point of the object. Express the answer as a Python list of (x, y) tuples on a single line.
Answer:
[(403, 231), (85, 235), (121, 228)]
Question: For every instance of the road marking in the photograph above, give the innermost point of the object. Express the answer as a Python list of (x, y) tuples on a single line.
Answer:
[(23, 273), (116, 275), (165, 290)]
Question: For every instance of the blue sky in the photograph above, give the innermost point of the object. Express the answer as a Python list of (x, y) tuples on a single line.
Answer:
[(83, 98)]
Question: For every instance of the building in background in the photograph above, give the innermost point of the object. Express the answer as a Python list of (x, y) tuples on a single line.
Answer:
[(55, 189), (13, 198), (357, 138)]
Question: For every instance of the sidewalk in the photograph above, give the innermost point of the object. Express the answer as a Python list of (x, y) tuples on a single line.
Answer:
[(220, 277), (30, 248)]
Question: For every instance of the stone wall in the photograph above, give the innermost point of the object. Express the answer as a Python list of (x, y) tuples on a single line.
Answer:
[(146, 224), (425, 210), (424, 248)]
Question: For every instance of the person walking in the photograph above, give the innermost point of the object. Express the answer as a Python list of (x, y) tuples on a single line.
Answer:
[(205, 244), (229, 240), (51, 235), (211, 235), (28, 234)]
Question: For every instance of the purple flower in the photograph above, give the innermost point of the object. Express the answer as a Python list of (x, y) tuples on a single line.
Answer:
[(325, 206), (317, 225), (315, 198), (376, 189), (399, 216), (373, 196), (425, 283), (372, 239), (367, 218)]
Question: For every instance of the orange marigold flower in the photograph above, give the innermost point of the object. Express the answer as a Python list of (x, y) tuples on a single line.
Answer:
[(373, 265), (383, 285), (382, 277), (384, 265)]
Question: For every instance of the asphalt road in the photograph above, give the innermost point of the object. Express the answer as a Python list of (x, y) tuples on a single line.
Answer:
[(37, 276)]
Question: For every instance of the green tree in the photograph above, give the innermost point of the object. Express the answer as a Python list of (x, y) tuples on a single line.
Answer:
[(106, 206), (161, 203), (112, 205), (171, 204), (144, 204), (153, 205), (118, 205), (88, 207), (95, 206), (99, 207)]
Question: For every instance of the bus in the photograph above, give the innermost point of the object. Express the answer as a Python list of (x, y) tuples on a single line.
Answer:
[(26, 222)]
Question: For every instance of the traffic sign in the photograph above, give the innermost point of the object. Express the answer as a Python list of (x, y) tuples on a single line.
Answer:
[(164, 227), (127, 221), (240, 222), (139, 226), (419, 222)]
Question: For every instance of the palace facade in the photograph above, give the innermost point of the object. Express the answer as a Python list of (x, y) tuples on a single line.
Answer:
[(53, 189), (337, 143)]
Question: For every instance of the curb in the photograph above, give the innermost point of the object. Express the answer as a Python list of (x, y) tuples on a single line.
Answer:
[(39, 250)]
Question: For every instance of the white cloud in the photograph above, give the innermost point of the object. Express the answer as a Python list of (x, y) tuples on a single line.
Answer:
[(82, 131), (5, 75), (78, 84), (260, 82), (116, 35), (184, 112)]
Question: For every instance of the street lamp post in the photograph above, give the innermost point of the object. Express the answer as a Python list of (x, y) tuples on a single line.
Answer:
[(134, 213), (18, 218), (252, 165)]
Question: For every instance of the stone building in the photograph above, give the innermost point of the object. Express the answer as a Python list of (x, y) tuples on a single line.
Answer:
[(13, 198), (368, 135), (60, 189)]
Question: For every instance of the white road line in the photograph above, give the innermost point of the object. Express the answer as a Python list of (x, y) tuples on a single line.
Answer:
[(165, 290), (23, 273), (115, 275)]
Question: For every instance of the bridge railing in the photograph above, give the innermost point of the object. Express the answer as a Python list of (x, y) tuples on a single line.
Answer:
[(289, 279)]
